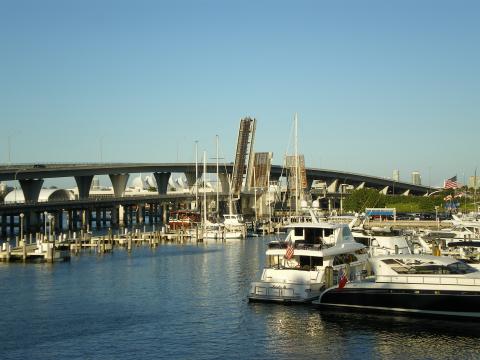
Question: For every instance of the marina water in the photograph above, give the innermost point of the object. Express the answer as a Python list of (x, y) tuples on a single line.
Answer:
[(190, 302)]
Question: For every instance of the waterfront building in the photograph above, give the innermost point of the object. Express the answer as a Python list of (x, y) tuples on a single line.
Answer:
[(474, 182), (396, 175), (416, 178)]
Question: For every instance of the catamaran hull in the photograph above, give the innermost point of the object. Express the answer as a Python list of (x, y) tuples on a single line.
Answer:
[(429, 302)]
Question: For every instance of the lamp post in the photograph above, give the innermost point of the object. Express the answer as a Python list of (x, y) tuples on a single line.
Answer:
[(45, 215), (21, 226), (50, 217), (436, 216)]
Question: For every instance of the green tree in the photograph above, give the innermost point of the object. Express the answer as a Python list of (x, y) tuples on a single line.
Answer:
[(358, 200)]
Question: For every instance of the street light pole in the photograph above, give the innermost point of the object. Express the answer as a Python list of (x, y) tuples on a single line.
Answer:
[(45, 214), (50, 217), (21, 226)]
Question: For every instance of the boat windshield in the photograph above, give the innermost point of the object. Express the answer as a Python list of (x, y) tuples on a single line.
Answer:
[(428, 268)]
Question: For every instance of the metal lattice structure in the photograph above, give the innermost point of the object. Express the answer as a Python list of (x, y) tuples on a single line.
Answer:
[(302, 174), (261, 170), (246, 135)]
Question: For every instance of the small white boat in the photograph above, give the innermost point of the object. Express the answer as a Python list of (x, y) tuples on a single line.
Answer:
[(234, 226)]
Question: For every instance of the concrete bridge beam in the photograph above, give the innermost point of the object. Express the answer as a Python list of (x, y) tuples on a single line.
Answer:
[(332, 188), (31, 189), (192, 179), (119, 183), (162, 181), (84, 183), (361, 186), (224, 183)]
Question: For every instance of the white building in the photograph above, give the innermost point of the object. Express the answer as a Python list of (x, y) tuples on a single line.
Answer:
[(416, 178)]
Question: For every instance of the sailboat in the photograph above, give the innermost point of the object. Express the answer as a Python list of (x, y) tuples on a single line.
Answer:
[(210, 230)]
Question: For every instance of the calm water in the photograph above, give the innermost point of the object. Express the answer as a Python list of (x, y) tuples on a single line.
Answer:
[(190, 302)]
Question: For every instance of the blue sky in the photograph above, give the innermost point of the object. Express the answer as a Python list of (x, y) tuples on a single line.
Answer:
[(377, 85)]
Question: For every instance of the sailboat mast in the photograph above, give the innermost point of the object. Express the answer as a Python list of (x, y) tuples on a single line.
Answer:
[(204, 188), (296, 165), (196, 174), (475, 182), (218, 182)]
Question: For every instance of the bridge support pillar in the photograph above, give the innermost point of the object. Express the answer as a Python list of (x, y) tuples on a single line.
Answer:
[(32, 222), (98, 218), (69, 220), (59, 220), (141, 214), (361, 186), (384, 191), (129, 216), (12, 224), (31, 189), (114, 216), (162, 181), (4, 226), (119, 183), (84, 183)]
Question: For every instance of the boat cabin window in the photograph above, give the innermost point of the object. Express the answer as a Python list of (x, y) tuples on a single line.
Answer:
[(298, 231), (313, 236), (344, 259), (309, 262), (346, 233), (428, 268), (363, 240)]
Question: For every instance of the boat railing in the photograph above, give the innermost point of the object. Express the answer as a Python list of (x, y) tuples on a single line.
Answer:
[(299, 245), (427, 280)]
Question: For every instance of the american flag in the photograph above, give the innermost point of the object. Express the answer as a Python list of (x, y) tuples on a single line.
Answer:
[(451, 183), (289, 252)]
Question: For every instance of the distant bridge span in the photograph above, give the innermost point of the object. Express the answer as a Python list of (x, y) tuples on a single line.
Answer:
[(31, 176)]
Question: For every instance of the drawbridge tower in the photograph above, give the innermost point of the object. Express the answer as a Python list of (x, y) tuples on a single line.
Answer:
[(244, 157)]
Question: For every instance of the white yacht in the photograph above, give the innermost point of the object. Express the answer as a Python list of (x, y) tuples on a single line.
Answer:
[(234, 226), (435, 285), (295, 269), (382, 240)]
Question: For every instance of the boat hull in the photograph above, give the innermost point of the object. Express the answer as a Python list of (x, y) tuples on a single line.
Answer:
[(283, 293), (433, 302)]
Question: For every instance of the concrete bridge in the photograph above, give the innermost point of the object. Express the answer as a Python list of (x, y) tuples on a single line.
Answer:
[(31, 177)]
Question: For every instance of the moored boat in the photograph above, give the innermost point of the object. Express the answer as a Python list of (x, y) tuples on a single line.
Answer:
[(414, 284), (296, 267)]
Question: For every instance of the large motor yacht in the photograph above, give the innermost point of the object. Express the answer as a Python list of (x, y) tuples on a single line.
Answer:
[(295, 269), (434, 285)]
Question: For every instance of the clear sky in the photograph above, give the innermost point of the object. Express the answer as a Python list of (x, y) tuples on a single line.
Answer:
[(377, 85)]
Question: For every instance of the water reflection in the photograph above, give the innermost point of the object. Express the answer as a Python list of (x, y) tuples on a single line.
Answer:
[(190, 301)]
